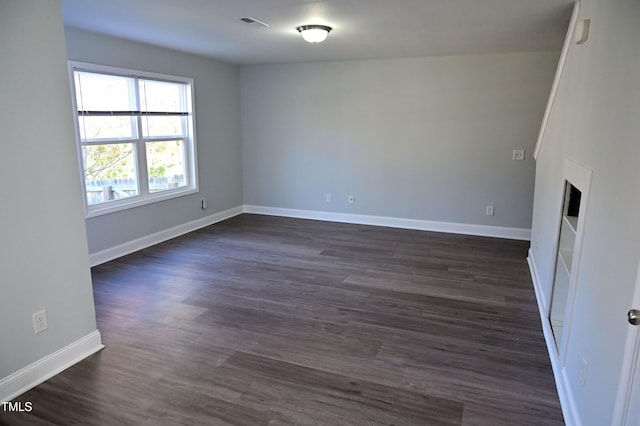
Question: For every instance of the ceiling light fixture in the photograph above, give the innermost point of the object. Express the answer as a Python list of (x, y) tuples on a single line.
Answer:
[(314, 33)]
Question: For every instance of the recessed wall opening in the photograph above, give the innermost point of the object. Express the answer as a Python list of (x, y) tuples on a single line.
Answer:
[(564, 260)]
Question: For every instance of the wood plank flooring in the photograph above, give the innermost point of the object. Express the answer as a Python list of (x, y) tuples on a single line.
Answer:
[(273, 321)]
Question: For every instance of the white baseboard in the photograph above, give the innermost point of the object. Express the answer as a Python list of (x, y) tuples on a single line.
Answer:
[(393, 222), (120, 250), (535, 277), (567, 401), (158, 237), (47, 367)]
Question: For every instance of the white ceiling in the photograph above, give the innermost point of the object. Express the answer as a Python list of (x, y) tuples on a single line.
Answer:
[(362, 29)]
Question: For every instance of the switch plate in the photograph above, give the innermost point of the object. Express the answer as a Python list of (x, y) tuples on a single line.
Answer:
[(518, 154), (40, 322), (489, 211)]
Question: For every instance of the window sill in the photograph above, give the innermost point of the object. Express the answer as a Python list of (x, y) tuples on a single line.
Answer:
[(121, 205)]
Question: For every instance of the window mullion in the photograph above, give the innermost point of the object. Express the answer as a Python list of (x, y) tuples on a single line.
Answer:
[(141, 150), (141, 164), (185, 106)]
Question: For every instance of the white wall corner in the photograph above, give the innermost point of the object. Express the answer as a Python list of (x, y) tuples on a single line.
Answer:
[(568, 40), (393, 222), (120, 250), (567, 402), (47, 367)]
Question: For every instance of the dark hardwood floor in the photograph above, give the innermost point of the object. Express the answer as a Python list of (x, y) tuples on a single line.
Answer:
[(273, 321)]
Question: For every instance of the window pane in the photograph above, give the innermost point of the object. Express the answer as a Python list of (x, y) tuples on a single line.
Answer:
[(107, 127), (119, 113), (166, 165), (103, 92), (162, 126), (110, 172), (161, 96)]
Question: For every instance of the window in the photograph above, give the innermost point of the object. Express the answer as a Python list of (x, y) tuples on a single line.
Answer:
[(135, 136)]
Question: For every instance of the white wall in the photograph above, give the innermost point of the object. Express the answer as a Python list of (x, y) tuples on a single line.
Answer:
[(421, 138), (217, 106), (596, 121), (43, 246)]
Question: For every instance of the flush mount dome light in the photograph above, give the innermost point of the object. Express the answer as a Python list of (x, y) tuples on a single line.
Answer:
[(314, 33)]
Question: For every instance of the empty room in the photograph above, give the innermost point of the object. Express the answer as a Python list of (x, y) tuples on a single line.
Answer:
[(320, 212)]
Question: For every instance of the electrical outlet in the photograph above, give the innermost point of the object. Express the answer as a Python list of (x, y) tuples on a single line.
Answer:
[(327, 197), (203, 203), (583, 372), (40, 322), (518, 154), (352, 199), (489, 211)]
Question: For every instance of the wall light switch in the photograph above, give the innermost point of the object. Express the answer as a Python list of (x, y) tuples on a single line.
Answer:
[(518, 154)]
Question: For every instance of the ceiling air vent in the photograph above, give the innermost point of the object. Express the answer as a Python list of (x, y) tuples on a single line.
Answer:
[(252, 20)]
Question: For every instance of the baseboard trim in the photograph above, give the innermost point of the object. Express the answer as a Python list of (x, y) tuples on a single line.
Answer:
[(567, 401), (132, 246), (535, 277), (393, 222), (158, 237), (47, 367)]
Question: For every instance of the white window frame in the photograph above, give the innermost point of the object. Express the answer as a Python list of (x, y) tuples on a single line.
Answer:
[(144, 197)]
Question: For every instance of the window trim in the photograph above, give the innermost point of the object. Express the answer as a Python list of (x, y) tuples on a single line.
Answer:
[(191, 160)]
